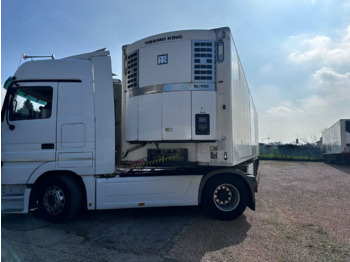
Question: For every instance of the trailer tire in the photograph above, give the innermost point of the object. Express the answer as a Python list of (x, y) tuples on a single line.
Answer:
[(225, 197), (60, 199)]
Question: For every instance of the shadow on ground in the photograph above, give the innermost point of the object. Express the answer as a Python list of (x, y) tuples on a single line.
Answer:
[(206, 236), (150, 234), (343, 168)]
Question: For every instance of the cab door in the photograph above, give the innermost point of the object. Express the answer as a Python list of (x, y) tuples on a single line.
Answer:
[(28, 132)]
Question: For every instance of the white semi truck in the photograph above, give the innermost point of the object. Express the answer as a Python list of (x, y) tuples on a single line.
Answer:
[(180, 130), (336, 142)]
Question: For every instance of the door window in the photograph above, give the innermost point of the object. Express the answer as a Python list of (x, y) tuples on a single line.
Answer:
[(31, 102)]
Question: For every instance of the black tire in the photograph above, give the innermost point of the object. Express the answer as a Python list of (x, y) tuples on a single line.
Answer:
[(225, 197), (60, 199)]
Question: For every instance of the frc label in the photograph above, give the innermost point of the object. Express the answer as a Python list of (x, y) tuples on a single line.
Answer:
[(162, 59)]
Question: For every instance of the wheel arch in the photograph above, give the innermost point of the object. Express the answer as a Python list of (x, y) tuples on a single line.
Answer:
[(244, 178), (40, 181)]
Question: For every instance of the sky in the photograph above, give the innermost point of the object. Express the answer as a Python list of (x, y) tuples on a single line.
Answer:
[(295, 53)]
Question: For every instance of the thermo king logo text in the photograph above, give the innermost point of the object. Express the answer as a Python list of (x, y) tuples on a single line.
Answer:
[(162, 39)]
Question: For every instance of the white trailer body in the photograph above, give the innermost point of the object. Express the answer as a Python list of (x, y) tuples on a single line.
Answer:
[(64, 122), (336, 142), (187, 89)]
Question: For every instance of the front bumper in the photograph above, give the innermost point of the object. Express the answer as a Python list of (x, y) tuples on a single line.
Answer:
[(15, 199)]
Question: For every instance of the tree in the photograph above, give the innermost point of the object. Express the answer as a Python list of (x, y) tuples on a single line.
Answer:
[(27, 108)]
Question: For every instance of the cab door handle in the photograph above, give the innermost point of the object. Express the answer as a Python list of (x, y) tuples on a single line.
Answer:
[(47, 146)]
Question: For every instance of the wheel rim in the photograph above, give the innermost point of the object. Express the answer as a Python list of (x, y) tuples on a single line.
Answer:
[(226, 197), (54, 200)]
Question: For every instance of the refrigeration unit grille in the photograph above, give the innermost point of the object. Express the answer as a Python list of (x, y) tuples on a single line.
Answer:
[(132, 70), (203, 61)]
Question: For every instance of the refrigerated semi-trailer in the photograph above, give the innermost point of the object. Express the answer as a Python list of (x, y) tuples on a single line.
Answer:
[(336, 142)]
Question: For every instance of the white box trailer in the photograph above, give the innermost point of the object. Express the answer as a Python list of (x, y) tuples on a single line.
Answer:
[(336, 142), (181, 130), (187, 90)]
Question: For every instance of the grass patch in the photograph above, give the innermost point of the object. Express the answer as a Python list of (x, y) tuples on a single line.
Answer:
[(271, 221), (288, 233), (306, 240), (84, 235), (332, 251), (287, 158), (322, 231)]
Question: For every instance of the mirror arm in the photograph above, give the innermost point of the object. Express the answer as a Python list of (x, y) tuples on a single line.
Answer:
[(12, 127)]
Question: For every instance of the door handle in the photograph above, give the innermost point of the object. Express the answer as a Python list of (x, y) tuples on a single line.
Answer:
[(47, 146)]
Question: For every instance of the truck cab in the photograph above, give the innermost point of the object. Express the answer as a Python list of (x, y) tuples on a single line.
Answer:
[(53, 122)]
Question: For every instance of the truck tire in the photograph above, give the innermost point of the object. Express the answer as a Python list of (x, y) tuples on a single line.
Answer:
[(60, 199), (225, 197)]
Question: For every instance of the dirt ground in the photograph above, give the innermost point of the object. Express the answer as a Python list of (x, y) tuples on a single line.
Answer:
[(303, 214)]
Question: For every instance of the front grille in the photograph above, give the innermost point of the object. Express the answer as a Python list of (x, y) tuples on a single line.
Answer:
[(203, 58), (132, 70)]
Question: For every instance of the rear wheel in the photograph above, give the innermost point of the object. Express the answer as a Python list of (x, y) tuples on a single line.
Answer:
[(60, 199), (225, 197)]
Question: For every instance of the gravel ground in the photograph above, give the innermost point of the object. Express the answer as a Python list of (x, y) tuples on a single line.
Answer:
[(302, 214)]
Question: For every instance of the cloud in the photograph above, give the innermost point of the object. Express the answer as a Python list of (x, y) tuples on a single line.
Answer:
[(326, 90), (305, 117), (321, 49), (282, 111), (329, 81), (332, 94)]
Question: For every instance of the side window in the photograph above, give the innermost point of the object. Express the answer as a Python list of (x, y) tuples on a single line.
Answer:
[(31, 102)]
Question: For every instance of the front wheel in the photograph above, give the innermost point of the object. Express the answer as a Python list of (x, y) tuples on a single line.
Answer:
[(225, 197), (60, 199)]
